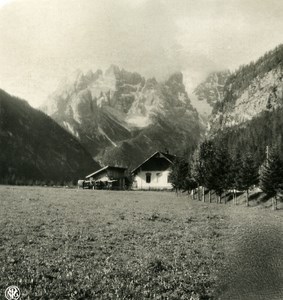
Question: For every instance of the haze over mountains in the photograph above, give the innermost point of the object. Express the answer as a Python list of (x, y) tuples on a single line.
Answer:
[(52, 38), (120, 118)]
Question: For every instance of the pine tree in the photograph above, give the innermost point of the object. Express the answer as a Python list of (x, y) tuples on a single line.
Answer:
[(221, 173), (211, 167), (235, 170), (197, 170), (208, 157), (247, 175), (179, 173), (197, 167), (189, 183), (203, 165), (271, 174)]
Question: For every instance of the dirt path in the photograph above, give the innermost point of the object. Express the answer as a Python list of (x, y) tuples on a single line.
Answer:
[(255, 268)]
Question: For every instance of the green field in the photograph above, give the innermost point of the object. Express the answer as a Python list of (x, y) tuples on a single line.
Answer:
[(59, 243)]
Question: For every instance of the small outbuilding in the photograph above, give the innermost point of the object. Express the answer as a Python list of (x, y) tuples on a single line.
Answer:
[(154, 172), (109, 177)]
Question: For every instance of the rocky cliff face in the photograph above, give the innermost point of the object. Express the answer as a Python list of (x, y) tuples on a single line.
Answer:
[(251, 90), (118, 114), (263, 93)]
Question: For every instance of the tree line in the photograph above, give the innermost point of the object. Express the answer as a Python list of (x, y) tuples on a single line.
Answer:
[(214, 169)]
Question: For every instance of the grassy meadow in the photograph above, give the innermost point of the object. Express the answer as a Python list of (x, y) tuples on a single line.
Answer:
[(59, 243)]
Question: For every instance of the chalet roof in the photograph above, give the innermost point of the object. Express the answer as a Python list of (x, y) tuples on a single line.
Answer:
[(169, 157), (104, 168)]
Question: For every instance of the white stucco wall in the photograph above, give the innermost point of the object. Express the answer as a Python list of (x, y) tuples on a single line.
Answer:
[(157, 182)]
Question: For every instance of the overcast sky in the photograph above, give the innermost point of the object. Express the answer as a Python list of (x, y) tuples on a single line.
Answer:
[(42, 41)]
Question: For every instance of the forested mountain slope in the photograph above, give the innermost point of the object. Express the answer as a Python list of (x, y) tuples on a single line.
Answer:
[(249, 116), (250, 90), (34, 148), (266, 129)]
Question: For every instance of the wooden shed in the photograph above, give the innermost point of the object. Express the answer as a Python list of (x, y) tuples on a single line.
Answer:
[(109, 177)]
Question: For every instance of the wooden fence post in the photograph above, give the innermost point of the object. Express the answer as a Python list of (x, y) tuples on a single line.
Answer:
[(247, 197), (274, 203)]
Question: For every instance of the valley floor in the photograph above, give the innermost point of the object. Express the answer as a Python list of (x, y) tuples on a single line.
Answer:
[(59, 243)]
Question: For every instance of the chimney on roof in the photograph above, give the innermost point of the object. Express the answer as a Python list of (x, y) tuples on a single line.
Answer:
[(166, 150)]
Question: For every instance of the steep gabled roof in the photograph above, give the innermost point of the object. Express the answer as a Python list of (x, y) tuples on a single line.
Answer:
[(169, 157), (104, 168)]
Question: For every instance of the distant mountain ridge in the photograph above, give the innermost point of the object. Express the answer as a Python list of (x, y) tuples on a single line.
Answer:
[(120, 117), (34, 148)]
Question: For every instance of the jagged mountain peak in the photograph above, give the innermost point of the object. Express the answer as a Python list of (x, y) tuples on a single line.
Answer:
[(113, 69), (151, 83), (106, 110), (175, 78), (212, 88), (128, 93)]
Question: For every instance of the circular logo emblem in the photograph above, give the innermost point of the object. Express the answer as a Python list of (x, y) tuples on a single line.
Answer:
[(12, 293)]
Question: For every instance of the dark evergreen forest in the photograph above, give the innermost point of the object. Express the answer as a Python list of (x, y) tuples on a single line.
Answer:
[(34, 149), (254, 136)]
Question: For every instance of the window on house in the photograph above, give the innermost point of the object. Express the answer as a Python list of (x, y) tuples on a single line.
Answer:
[(168, 178), (148, 177), (157, 177)]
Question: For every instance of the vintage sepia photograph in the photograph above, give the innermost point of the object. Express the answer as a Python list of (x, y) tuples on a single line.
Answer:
[(141, 149)]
